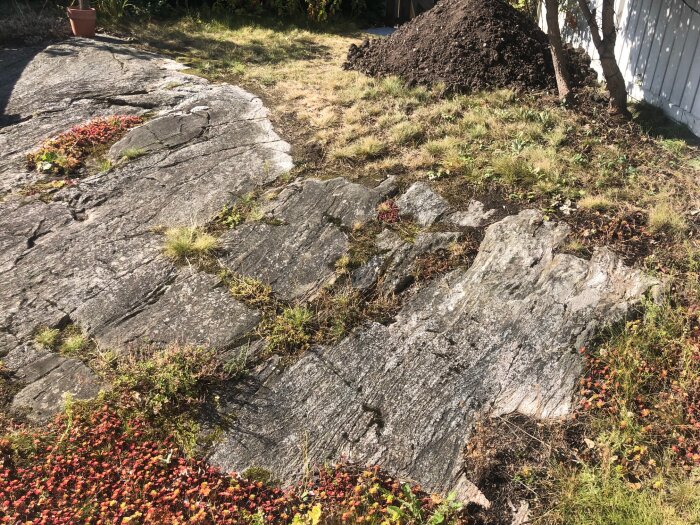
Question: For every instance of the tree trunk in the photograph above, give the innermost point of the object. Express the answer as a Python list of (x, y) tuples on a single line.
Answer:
[(605, 45), (557, 48), (84, 4)]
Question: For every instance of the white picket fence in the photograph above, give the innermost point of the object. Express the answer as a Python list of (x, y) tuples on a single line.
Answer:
[(658, 50)]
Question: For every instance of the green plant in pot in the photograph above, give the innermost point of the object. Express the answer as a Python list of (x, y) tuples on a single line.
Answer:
[(82, 19)]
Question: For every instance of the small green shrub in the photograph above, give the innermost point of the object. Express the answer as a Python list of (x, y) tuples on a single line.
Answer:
[(289, 331), (166, 380), (257, 474)]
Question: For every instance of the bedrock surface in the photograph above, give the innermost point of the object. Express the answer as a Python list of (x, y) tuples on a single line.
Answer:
[(499, 336), (91, 254)]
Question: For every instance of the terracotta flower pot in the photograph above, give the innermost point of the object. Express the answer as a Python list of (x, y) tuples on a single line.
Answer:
[(82, 21)]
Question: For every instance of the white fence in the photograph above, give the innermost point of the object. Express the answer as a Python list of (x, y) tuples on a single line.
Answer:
[(658, 50)]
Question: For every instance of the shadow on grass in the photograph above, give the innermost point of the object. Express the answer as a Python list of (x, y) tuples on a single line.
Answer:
[(213, 38), (655, 122)]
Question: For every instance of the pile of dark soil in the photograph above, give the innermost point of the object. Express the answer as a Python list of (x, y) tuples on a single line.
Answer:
[(469, 45)]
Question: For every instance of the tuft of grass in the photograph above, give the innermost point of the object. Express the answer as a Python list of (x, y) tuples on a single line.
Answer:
[(365, 148), (133, 153), (342, 264), (673, 146), (189, 243), (663, 218), (596, 203), (513, 171), (70, 341), (441, 148), (601, 496), (406, 133), (73, 344), (48, 338), (104, 165), (336, 312)]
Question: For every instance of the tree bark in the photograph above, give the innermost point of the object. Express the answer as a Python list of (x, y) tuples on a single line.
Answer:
[(561, 71), (605, 45)]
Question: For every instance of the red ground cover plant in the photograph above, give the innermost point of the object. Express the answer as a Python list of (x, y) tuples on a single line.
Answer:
[(92, 467), (388, 212), (65, 153), (647, 379)]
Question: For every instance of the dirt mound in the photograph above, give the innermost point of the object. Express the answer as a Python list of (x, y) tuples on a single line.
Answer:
[(467, 44)]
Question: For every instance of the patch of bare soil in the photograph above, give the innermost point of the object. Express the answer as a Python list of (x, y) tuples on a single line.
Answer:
[(468, 45), (508, 457)]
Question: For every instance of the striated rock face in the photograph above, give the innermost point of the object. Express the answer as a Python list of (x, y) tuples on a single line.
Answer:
[(500, 336), (296, 255), (49, 379), (92, 255)]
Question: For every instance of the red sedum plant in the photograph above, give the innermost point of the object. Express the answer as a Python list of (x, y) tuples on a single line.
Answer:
[(93, 467), (646, 382), (388, 212), (65, 154)]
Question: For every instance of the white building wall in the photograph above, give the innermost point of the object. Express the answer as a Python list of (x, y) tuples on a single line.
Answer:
[(658, 50)]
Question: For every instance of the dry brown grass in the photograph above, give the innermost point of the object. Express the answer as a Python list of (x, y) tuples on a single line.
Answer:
[(528, 146)]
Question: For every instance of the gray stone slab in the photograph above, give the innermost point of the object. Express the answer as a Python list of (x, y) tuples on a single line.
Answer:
[(92, 255), (296, 257), (498, 337)]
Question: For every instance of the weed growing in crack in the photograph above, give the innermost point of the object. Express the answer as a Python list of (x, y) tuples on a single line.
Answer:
[(248, 290), (459, 253), (342, 264), (72, 345), (388, 212), (363, 245), (336, 311), (245, 209), (69, 341), (189, 244), (407, 230), (48, 338), (133, 153), (289, 331)]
